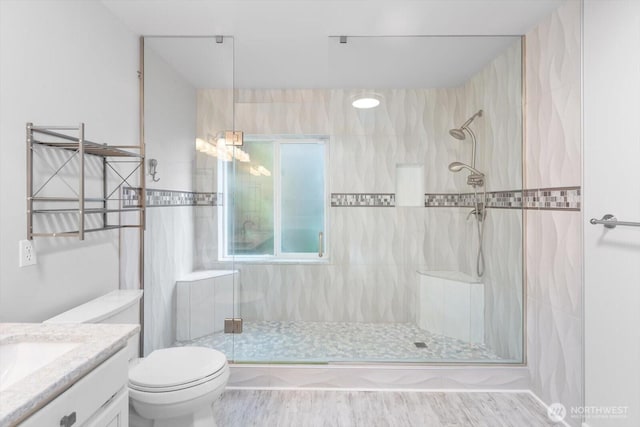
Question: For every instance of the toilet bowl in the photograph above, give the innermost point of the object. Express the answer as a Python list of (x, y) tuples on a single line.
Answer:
[(176, 387), (171, 387)]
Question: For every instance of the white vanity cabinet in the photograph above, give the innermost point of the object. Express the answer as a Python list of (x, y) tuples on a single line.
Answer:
[(99, 399)]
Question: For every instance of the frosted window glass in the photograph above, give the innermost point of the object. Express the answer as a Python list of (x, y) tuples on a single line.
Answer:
[(302, 200), (251, 228)]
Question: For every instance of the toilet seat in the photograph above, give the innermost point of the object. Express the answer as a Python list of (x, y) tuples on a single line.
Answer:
[(160, 389), (177, 374), (176, 368)]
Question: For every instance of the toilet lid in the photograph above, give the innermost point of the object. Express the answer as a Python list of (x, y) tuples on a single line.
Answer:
[(176, 366)]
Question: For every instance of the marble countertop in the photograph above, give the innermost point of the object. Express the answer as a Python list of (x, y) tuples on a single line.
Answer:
[(97, 342)]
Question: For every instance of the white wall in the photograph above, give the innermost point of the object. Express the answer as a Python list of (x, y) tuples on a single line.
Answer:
[(170, 123), (61, 62), (612, 185), (553, 238)]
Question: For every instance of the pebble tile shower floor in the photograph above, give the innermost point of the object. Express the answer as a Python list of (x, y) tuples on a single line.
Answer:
[(324, 342)]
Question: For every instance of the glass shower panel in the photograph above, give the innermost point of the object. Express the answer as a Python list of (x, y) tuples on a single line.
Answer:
[(189, 286), (395, 284), (280, 195), (440, 282)]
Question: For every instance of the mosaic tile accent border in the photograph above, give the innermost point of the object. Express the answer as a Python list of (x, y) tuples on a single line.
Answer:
[(558, 198), (363, 200), (160, 198)]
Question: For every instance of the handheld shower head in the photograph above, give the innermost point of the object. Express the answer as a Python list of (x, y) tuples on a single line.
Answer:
[(475, 179), (458, 166)]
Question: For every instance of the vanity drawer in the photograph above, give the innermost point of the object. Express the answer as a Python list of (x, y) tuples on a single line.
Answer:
[(84, 398)]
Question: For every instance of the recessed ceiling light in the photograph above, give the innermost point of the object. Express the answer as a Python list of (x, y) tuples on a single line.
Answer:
[(366, 102)]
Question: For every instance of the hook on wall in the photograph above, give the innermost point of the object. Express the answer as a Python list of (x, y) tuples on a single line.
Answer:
[(153, 165)]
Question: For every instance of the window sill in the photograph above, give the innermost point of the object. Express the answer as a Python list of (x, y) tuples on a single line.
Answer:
[(242, 260)]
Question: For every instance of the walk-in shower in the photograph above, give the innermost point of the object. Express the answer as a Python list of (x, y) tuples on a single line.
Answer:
[(321, 263)]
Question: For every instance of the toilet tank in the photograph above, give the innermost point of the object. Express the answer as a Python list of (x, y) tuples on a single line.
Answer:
[(120, 306)]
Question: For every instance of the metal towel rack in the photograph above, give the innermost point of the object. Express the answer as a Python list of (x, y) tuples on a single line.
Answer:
[(610, 221)]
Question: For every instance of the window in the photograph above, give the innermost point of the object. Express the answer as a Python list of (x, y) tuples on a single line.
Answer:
[(275, 200)]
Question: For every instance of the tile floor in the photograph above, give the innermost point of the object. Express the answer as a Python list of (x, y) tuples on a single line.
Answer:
[(324, 342), (315, 408)]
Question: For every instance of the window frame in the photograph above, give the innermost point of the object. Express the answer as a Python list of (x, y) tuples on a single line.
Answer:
[(224, 215)]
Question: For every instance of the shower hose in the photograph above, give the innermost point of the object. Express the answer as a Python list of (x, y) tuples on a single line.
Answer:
[(481, 214)]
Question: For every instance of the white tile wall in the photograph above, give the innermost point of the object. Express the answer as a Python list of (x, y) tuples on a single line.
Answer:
[(553, 100), (553, 238), (168, 255)]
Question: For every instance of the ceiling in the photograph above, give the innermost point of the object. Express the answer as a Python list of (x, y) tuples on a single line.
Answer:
[(289, 43)]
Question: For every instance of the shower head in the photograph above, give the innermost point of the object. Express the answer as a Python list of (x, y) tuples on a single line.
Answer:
[(458, 134), (458, 166)]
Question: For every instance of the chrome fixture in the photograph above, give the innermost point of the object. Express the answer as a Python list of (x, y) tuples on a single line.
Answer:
[(610, 221), (475, 179), (460, 135), (479, 212), (230, 137), (458, 166), (233, 325), (153, 165)]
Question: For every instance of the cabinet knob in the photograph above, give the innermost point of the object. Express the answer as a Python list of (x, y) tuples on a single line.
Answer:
[(68, 420)]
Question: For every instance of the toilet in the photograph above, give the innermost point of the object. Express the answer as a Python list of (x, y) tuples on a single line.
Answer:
[(171, 387)]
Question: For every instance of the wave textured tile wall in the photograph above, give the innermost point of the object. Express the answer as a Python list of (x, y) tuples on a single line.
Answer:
[(553, 252)]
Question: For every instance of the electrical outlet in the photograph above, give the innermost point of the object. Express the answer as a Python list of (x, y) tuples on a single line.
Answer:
[(27, 253)]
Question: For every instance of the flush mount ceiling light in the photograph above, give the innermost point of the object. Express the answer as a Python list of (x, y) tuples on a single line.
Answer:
[(365, 103), (366, 100)]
